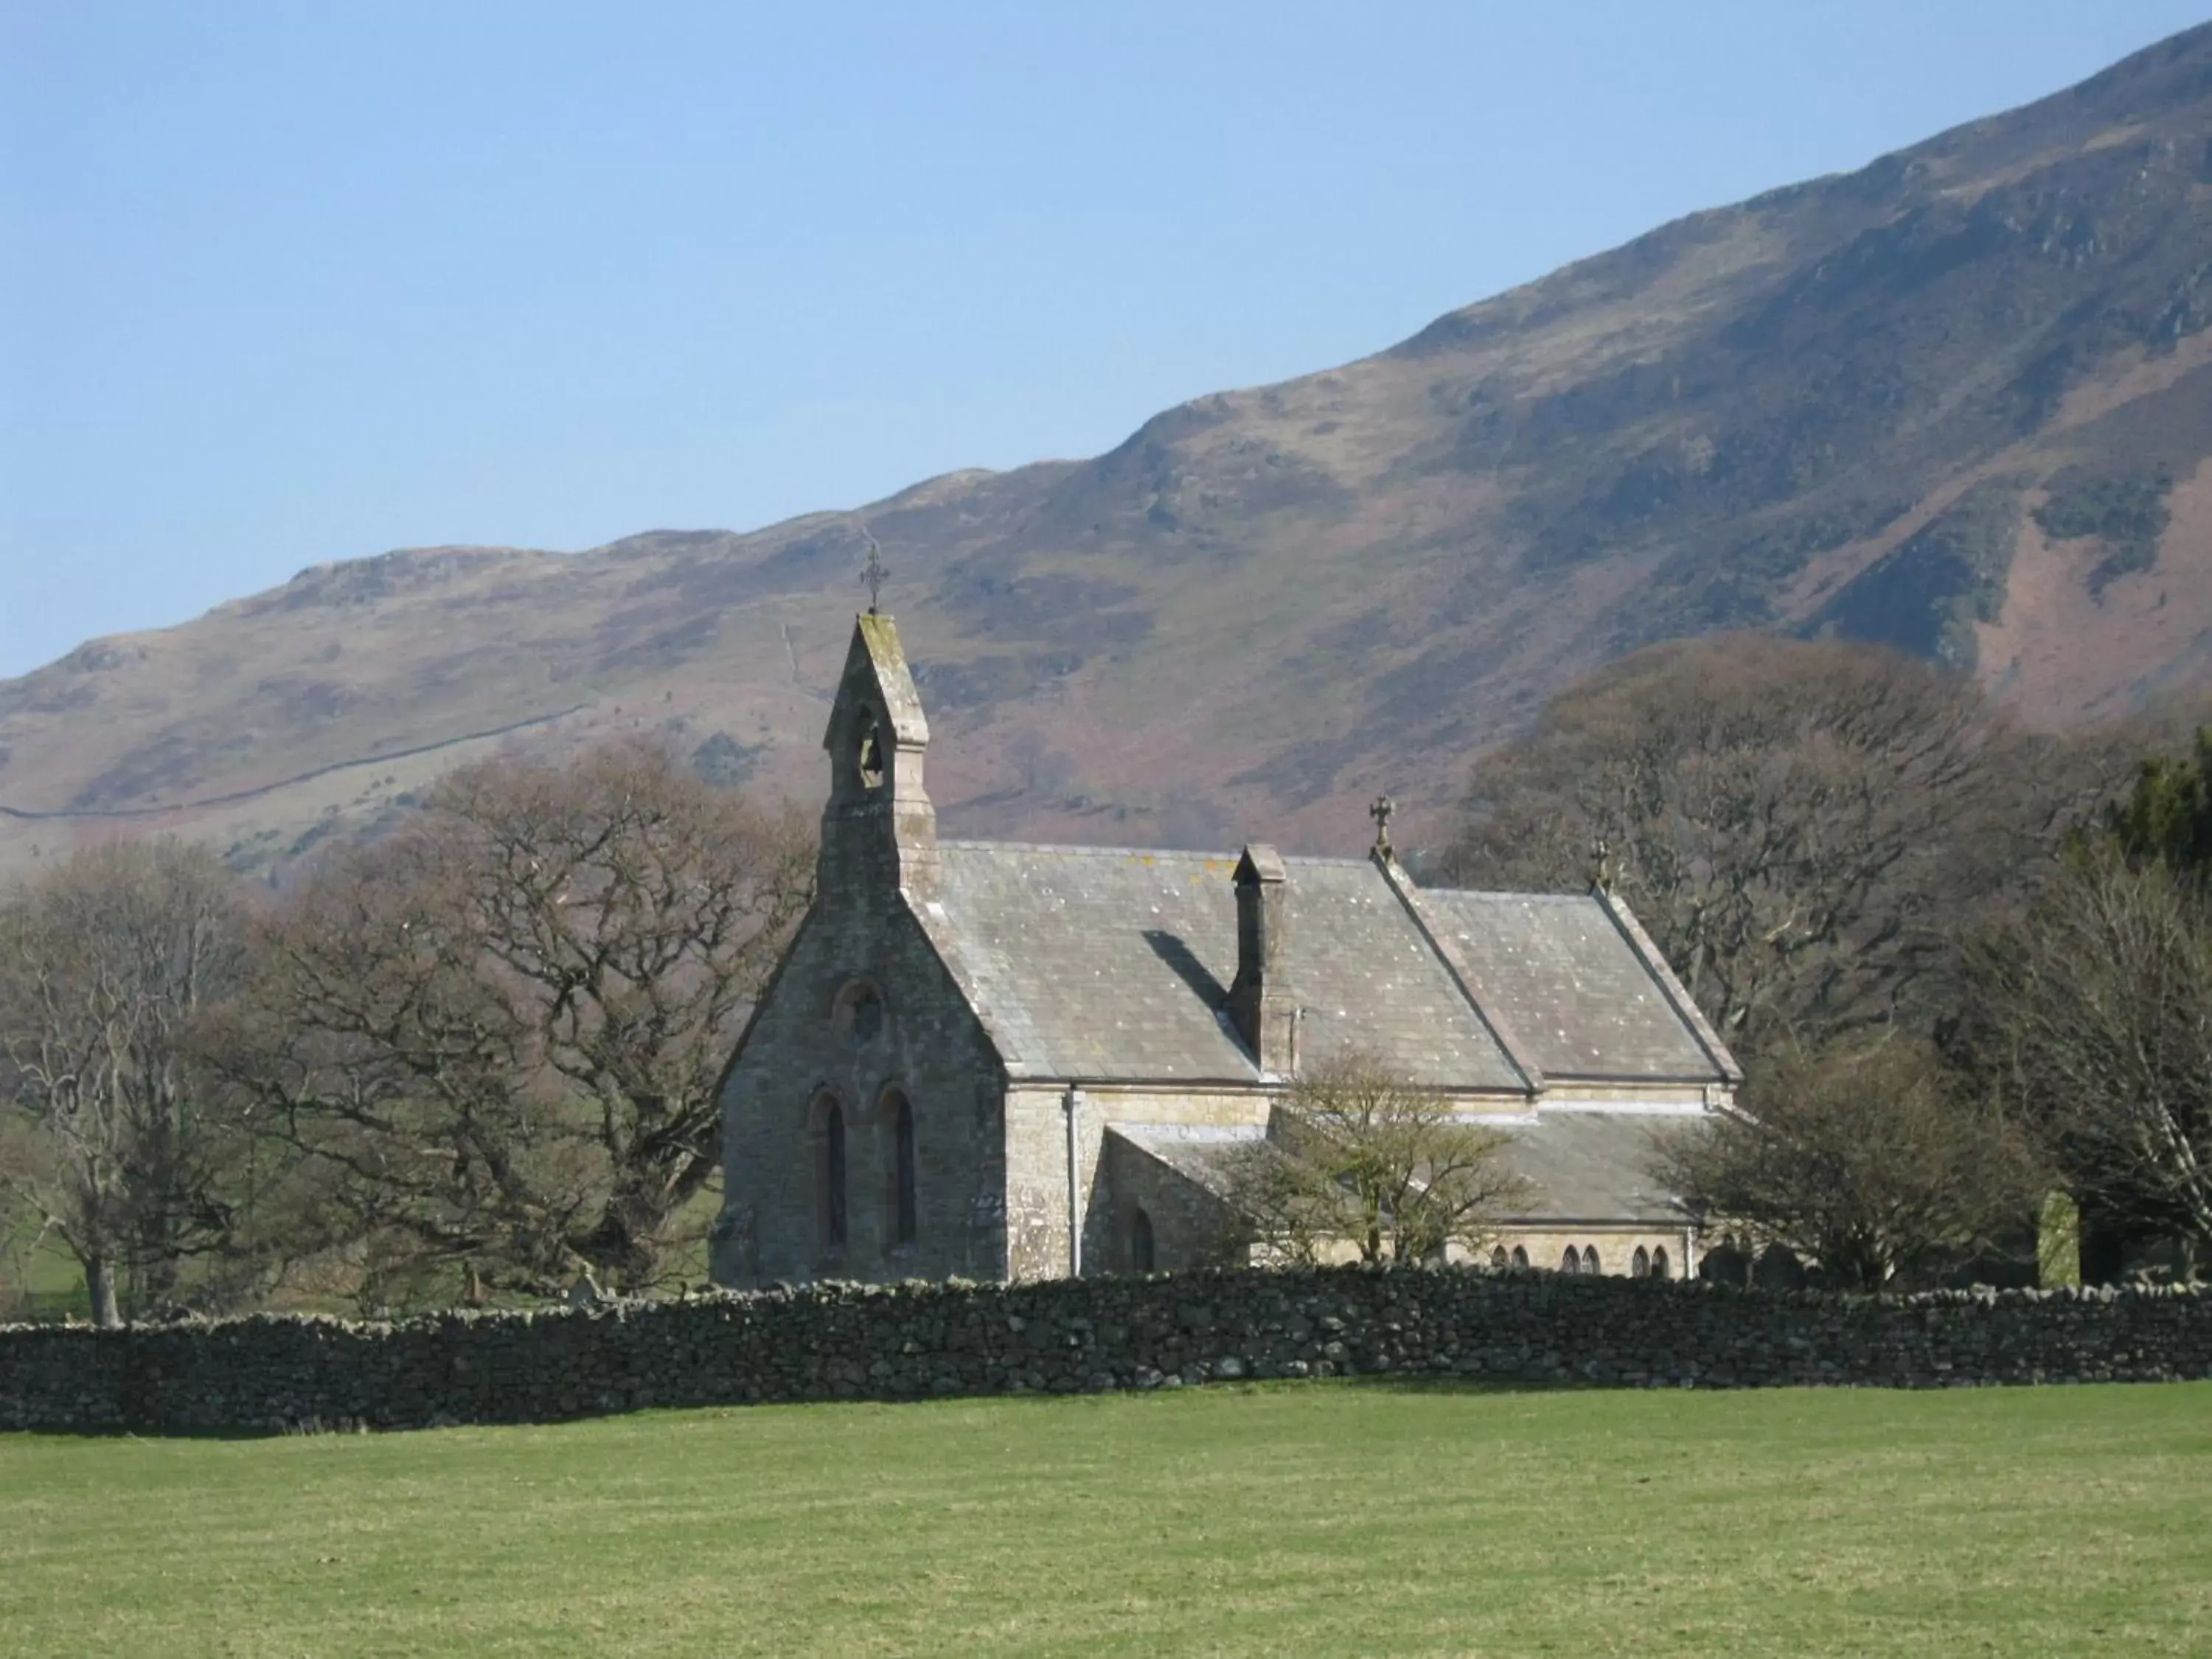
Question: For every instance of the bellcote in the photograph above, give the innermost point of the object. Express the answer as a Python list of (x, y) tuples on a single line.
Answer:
[(878, 827)]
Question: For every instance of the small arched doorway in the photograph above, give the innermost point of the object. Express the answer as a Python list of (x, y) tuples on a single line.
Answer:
[(1143, 1257)]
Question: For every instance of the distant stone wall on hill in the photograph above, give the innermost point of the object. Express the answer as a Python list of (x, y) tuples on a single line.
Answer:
[(911, 1341)]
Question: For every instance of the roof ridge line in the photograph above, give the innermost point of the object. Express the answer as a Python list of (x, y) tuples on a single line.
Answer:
[(1462, 977), (1089, 849), (1509, 893)]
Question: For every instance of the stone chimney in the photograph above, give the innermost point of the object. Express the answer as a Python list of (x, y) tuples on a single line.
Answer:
[(1259, 1005)]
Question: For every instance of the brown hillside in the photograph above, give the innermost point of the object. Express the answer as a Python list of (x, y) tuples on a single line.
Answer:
[(1959, 401)]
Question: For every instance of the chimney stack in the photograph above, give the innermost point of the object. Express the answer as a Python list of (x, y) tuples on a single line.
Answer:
[(1259, 1005)]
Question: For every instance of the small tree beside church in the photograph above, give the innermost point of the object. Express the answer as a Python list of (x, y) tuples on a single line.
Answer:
[(1869, 1158), (1362, 1161)]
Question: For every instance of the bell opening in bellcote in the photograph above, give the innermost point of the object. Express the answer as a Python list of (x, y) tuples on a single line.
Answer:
[(869, 754)]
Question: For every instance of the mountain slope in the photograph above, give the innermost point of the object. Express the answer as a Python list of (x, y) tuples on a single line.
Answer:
[(1959, 402)]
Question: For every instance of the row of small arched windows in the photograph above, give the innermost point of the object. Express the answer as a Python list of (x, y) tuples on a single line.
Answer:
[(1644, 1264), (832, 1173)]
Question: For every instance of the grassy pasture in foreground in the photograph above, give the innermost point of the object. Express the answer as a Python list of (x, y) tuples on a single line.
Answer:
[(1306, 1518)]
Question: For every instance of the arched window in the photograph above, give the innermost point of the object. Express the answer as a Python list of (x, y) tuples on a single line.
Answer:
[(1571, 1263), (858, 1012), (1589, 1259), (1659, 1262), (1141, 1253), (1499, 1259), (1520, 1256), (1639, 1265), (830, 1144), (904, 1219)]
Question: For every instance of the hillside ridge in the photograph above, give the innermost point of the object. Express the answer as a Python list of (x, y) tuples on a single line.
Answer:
[(1957, 401)]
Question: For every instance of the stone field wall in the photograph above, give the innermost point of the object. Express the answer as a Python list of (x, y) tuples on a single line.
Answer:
[(902, 1342)]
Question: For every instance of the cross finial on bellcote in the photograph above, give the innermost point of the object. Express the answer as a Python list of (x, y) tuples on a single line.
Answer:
[(1380, 811), (873, 572)]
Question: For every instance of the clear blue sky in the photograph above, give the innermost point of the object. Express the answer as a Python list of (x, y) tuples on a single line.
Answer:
[(287, 283)]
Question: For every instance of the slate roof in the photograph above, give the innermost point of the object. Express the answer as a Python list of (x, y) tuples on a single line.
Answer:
[(1592, 1166), (1583, 1165), (1569, 985), (1113, 964), (1200, 1155)]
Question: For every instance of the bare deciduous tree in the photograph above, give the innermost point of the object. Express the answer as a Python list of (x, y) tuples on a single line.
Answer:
[(2095, 1015), (1801, 826), (635, 913), (1869, 1158), (396, 1085), (499, 1032), (106, 963), (1359, 1158)]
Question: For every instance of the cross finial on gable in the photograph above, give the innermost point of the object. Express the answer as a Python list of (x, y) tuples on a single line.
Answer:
[(873, 572), (1380, 811), (1601, 866)]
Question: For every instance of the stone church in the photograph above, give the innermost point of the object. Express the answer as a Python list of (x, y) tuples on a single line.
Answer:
[(1005, 1061)]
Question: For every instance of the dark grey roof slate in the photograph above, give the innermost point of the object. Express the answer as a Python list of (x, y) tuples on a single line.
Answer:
[(1569, 986), (1093, 964), (1582, 1165), (1108, 963), (1204, 1157), (1113, 964), (1592, 1166)]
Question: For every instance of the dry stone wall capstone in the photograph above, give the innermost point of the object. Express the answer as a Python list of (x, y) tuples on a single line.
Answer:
[(911, 1341)]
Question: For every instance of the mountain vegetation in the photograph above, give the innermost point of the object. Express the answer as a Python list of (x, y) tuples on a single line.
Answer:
[(1957, 402)]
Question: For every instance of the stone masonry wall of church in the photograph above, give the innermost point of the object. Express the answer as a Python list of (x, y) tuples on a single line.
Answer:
[(1190, 1226), (929, 1046), (1036, 1162), (1616, 1246), (904, 1342)]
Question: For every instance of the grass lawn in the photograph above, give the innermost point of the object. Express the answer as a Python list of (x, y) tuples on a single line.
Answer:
[(1328, 1517)]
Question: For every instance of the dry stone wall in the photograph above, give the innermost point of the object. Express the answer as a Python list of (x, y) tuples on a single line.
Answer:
[(904, 1342)]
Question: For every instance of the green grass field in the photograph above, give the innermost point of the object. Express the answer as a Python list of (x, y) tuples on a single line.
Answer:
[(1335, 1518)]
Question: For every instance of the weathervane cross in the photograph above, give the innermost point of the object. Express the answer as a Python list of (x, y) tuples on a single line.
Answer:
[(1381, 813), (873, 572)]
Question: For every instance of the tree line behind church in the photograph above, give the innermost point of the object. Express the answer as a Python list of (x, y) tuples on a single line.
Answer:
[(1966, 966)]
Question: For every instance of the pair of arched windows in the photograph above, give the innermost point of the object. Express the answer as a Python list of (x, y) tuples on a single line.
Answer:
[(1585, 1263), (833, 1175), (1500, 1260), (1649, 1264)]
